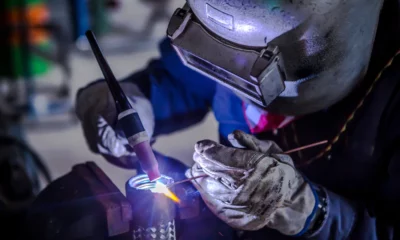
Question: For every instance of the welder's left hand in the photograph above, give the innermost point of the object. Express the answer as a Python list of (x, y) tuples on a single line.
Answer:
[(253, 188)]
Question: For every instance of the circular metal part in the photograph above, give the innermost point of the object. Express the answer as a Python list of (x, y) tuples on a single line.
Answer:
[(142, 182), (153, 212)]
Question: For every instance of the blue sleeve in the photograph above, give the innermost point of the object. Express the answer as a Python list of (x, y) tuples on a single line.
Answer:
[(228, 111), (180, 96), (346, 220), (374, 216), (354, 220)]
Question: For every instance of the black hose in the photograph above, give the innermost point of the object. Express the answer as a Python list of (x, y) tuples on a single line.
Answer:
[(9, 140)]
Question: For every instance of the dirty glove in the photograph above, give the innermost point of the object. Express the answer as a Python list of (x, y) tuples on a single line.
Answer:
[(252, 189), (95, 108)]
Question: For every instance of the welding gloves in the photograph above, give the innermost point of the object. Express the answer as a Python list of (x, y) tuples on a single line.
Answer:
[(254, 187), (95, 108)]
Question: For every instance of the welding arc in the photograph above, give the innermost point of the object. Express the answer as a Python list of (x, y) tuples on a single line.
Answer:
[(287, 152)]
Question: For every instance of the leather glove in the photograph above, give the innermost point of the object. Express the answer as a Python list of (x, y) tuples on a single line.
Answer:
[(95, 108), (253, 188)]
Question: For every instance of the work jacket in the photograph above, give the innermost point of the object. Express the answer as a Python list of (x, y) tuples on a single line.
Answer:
[(360, 167)]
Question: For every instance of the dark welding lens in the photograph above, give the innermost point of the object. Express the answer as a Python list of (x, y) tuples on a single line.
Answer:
[(224, 77)]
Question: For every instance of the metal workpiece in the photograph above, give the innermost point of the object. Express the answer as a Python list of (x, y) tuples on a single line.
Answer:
[(153, 213), (161, 231)]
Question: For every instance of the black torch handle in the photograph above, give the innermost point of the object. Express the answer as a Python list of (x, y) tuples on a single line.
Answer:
[(118, 94)]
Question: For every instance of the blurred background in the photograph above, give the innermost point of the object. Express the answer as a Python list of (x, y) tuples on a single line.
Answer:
[(45, 59)]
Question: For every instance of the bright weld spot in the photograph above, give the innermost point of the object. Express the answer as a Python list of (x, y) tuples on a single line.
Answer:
[(161, 188)]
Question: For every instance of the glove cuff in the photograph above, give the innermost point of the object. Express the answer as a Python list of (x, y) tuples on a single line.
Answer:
[(311, 219), (321, 213), (295, 217)]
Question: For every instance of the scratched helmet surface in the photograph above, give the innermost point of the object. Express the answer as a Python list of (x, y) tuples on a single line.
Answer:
[(288, 56), (255, 23)]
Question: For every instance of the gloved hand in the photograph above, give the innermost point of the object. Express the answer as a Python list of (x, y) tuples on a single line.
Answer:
[(253, 188), (95, 108)]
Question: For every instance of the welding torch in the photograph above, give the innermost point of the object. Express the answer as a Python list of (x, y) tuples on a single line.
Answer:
[(128, 118)]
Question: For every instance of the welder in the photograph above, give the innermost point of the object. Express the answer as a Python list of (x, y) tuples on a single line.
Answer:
[(277, 75)]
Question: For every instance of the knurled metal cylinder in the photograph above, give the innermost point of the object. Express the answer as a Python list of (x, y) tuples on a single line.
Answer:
[(159, 232), (153, 213)]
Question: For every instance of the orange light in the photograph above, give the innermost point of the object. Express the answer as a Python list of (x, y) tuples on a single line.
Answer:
[(172, 196), (37, 15), (161, 188)]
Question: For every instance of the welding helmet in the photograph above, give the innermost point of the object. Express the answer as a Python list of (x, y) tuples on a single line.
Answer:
[(286, 56)]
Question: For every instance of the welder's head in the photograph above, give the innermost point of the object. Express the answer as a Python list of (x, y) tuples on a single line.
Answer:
[(288, 56)]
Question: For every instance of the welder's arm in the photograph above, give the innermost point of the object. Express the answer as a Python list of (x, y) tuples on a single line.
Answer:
[(354, 220), (180, 97), (167, 95), (225, 192), (380, 218), (97, 112), (347, 219)]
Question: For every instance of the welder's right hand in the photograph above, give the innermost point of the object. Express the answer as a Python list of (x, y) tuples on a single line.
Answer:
[(254, 187), (95, 108)]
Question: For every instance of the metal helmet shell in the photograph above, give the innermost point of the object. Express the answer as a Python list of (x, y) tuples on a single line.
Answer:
[(255, 23), (290, 57)]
